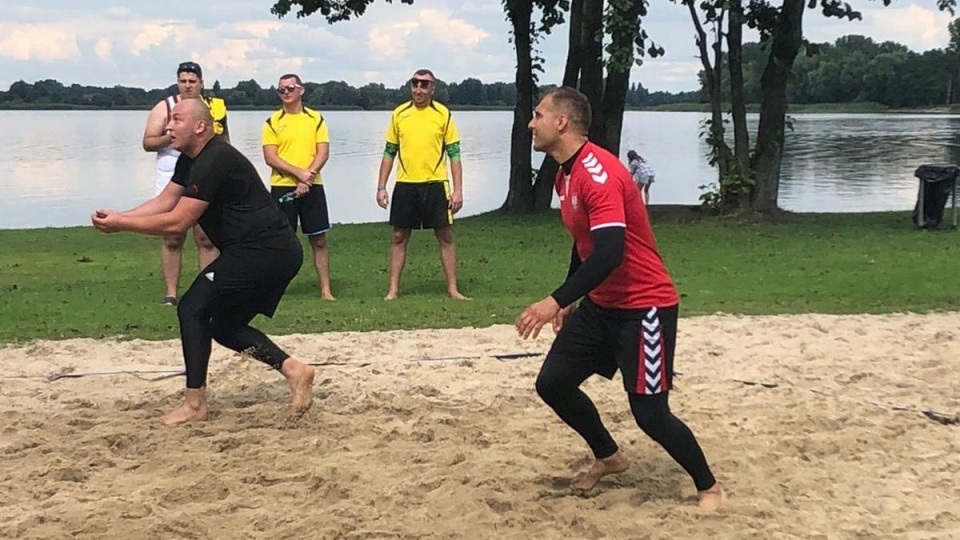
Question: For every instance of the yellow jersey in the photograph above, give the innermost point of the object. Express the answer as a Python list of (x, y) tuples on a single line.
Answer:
[(422, 136), (296, 137)]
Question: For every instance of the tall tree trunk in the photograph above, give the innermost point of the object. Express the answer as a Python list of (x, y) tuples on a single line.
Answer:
[(618, 73), (768, 152), (591, 63), (720, 151), (741, 136), (571, 70), (520, 196), (547, 173)]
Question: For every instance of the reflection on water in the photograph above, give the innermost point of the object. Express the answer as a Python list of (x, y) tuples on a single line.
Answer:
[(852, 163), (60, 166)]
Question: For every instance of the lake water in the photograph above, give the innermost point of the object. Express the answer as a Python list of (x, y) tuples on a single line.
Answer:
[(60, 166)]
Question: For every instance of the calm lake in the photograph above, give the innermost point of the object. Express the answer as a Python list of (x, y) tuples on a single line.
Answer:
[(61, 165)]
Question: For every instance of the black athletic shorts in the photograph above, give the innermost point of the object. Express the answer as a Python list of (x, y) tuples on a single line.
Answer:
[(421, 205), (310, 209), (640, 343), (253, 279)]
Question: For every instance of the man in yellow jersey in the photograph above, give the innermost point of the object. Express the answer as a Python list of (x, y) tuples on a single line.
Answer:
[(156, 138), (296, 145), (421, 137)]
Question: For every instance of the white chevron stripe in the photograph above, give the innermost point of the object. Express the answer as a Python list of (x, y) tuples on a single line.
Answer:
[(652, 367), (653, 382), (651, 352), (600, 178), (651, 336), (590, 160), (596, 169), (651, 325)]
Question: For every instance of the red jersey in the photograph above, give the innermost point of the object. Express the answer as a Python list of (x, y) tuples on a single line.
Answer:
[(600, 193)]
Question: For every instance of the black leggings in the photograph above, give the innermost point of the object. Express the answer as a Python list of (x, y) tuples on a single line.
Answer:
[(207, 314), (558, 384)]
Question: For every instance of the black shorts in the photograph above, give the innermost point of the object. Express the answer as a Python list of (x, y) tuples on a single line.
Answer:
[(252, 280), (421, 205), (310, 209), (640, 343)]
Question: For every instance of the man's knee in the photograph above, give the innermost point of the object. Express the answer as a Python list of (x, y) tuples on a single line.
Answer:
[(444, 235), (173, 243), (400, 237), (552, 385), (319, 241), (201, 238), (652, 413)]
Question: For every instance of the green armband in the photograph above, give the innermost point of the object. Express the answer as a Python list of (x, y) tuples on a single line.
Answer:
[(391, 150), (453, 151)]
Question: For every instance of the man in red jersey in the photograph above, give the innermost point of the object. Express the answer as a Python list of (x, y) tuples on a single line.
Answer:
[(628, 320)]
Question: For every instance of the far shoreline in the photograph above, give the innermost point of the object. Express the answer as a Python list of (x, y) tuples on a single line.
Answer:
[(815, 108)]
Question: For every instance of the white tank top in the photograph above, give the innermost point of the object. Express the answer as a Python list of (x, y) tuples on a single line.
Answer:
[(167, 157)]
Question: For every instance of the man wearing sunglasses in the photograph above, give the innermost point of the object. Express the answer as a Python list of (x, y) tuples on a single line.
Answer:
[(156, 138), (421, 137), (296, 145)]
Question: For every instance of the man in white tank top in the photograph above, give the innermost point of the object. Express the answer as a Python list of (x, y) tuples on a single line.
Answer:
[(156, 139)]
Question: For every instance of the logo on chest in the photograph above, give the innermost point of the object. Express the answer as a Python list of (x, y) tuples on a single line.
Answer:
[(575, 202)]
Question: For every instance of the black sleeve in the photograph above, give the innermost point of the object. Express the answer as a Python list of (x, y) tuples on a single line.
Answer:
[(606, 257), (181, 171), (210, 170), (574, 261)]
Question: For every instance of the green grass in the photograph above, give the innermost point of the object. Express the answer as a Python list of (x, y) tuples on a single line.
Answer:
[(75, 282)]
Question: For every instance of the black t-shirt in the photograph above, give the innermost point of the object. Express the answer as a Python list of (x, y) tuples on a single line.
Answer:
[(241, 211)]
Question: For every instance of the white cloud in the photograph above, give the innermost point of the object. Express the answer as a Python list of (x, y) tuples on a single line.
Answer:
[(37, 42), (104, 49), (917, 27), (152, 35), (388, 41), (104, 42)]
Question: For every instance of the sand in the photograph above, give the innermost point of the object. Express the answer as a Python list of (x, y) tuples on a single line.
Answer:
[(397, 447)]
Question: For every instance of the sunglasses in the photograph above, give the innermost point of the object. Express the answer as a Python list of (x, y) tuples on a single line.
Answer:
[(420, 83), (288, 88), (189, 67)]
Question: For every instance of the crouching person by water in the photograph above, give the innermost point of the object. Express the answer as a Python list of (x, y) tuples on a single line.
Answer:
[(628, 320), (216, 186)]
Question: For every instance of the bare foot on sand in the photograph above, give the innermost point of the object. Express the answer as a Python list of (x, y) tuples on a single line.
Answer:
[(193, 409), (711, 499), (616, 463), (300, 378)]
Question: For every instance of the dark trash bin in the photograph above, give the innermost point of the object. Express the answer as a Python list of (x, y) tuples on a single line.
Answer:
[(937, 184)]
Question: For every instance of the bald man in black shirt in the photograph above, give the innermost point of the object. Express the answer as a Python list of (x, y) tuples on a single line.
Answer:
[(216, 186)]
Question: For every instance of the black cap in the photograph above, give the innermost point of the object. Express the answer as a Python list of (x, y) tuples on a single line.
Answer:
[(190, 67)]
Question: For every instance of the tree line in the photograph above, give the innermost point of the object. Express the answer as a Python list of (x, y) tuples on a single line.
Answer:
[(855, 68), (328, 95)]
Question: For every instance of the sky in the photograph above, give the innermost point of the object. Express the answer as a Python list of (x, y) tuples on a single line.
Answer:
[(108, 42)]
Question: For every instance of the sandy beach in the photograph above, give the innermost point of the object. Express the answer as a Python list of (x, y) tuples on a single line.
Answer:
[(405, 442)]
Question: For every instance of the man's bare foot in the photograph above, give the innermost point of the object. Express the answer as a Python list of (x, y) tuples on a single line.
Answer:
[(616, 463), (391, 295), (328, 297), (193, 409), (300, 378), (457, 296), (711, 499)]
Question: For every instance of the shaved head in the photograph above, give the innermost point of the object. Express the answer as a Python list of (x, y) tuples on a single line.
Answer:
[(196, 110)]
